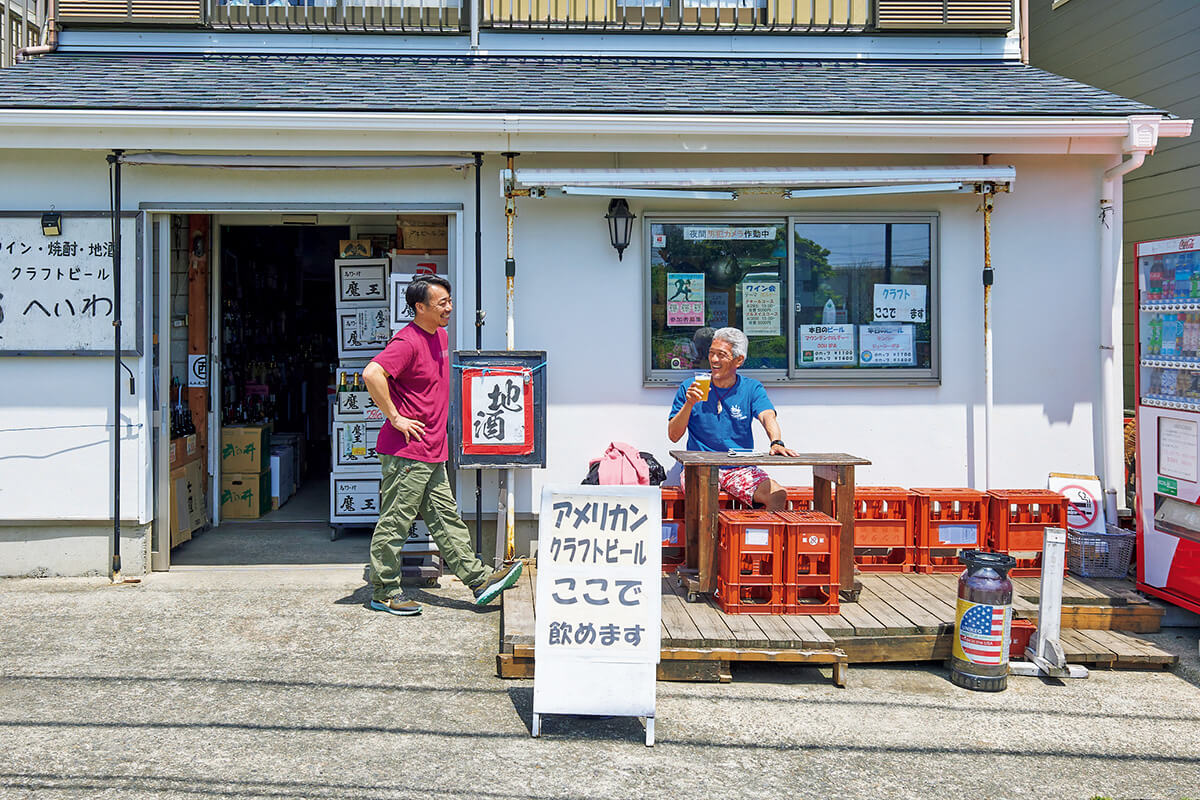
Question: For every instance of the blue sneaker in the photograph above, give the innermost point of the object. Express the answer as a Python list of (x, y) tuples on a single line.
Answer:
[(496, 583), (399, 605)]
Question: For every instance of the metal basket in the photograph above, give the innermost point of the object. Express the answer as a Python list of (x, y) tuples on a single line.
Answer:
[(1099, 555)]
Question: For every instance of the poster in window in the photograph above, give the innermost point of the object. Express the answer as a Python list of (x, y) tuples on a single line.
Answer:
[(685, 299), (827, 345), (899, 303), (497, 411), (890, 344), (760, 308)]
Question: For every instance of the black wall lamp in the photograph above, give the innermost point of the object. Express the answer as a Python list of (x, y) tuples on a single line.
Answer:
[(52, 224), (620, 224)]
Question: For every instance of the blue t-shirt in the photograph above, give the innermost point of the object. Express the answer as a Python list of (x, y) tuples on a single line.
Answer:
[(731, 428)]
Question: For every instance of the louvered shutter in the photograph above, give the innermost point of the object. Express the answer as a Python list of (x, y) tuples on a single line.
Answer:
[(151, 11), (994, 15)]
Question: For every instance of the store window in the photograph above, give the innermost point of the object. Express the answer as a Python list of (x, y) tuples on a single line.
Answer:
[(851, 298), (863, 294), (707, 274)]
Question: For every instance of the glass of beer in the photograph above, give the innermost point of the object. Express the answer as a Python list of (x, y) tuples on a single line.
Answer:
[(703, 380)]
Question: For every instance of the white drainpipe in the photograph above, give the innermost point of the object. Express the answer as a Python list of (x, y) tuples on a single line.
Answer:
[(1141, 140)]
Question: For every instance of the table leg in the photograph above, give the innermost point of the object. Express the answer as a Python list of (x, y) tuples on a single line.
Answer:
[(691, 517), (706, 527), (845, 515)]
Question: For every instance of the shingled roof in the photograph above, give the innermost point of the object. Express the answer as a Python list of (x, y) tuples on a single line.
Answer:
[(548, 85)]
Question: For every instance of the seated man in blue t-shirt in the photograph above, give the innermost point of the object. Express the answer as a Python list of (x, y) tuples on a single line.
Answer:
[(723, 421)]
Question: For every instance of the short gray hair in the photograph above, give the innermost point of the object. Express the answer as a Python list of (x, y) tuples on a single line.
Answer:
[(736, 340)]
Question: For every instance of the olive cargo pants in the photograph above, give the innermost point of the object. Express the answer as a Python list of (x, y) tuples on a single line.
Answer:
[(410, 488)]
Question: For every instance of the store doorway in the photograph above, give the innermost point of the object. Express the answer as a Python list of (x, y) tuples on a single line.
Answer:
[(280, 350)]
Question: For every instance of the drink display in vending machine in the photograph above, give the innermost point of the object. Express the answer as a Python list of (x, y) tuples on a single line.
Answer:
[(1168, 420)]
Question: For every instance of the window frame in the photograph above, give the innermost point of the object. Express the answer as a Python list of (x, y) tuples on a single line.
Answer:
[(793, 375)]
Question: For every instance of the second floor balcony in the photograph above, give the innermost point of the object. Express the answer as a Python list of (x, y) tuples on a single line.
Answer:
[(461, 16)]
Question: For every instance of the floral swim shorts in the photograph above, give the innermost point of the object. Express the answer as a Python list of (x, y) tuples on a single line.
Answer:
[(741, 482)]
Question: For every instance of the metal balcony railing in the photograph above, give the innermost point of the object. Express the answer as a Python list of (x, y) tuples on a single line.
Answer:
[(24, 25), (454, 16)]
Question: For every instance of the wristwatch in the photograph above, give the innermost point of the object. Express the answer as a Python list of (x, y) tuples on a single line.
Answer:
[(778, 442)]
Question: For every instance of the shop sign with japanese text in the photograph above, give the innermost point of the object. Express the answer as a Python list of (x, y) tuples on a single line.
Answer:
[(822, 345), (599, 574)]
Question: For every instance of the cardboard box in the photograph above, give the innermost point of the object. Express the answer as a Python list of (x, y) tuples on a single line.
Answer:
[(245, 448), (183, 450), (197, 483), (245, 495), (181, 522), (283, 474), (422, 231)]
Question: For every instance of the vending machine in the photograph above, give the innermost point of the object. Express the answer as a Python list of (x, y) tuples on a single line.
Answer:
[(1168, 420)]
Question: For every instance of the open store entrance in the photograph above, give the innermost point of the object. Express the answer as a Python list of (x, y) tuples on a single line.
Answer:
[(298, 305)]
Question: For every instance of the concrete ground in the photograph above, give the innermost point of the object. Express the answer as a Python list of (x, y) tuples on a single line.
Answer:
[(257, 680)]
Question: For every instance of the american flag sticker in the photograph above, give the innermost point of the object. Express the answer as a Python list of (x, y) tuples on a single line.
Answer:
[(981, 635)]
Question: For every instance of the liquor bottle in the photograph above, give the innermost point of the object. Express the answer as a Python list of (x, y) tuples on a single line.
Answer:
[(342, 387), (358, 387)]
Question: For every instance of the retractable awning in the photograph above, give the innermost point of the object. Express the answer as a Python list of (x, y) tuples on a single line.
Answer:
[(291, 162), (725, 183)]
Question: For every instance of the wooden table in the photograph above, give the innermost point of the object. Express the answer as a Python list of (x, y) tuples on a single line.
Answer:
[(701, 508)]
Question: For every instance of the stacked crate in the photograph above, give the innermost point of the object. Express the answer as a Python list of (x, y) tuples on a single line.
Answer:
[(365, 323), (1017, 521), (673, 533), (750, 562), (948, 521), (810, 551), (884, 530)]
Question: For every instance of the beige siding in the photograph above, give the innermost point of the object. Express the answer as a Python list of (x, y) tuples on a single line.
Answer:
[(1150, 51)]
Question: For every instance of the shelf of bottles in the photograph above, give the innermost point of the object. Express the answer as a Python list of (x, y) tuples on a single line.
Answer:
[(1169, 330)]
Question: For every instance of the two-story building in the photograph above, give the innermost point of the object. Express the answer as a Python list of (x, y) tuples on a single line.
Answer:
[(839, 178)]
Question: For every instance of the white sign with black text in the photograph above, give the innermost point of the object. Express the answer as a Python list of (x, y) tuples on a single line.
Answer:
[(598, 604), (896, 302)]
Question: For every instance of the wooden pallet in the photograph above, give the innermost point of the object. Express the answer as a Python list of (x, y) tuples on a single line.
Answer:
[(899, 617)]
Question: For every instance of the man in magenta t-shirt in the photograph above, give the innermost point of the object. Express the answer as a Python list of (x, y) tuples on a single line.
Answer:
[(410, 382)]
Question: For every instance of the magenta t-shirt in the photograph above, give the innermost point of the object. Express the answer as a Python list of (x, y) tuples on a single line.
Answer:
[(418, 368)]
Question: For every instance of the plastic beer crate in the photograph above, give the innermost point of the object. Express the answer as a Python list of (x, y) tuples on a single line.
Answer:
[(947, 521), (1018, 519), (750, 549), (810, 550), (672, 528), (884, 534)]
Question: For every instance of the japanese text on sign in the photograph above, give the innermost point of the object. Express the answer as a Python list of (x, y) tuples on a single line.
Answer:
[(56, 293), (891, 344), (698, 233), (826, 344), (761, 306), (899, 302), (685, 299), (499, 405), (599, 587)]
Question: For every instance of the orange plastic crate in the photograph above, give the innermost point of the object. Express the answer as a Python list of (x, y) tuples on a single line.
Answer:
[(750, 562), (884, 538), (810, 575), (1017, 519), (799, 498), (672, 503), (948, 521), (750, 598)]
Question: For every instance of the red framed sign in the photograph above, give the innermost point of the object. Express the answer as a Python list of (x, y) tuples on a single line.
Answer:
[(497, 410)]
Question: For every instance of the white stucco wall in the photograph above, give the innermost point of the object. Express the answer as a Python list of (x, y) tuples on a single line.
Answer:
[(582, 305)]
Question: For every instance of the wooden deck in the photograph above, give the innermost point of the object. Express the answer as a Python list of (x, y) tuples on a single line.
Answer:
[(899, 617)]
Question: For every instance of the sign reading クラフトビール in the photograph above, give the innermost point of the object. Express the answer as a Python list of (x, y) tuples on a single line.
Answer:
[(598, 601), (56, 292)]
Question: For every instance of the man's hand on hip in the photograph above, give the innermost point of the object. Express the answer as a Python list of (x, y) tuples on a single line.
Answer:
[(411, 428)]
